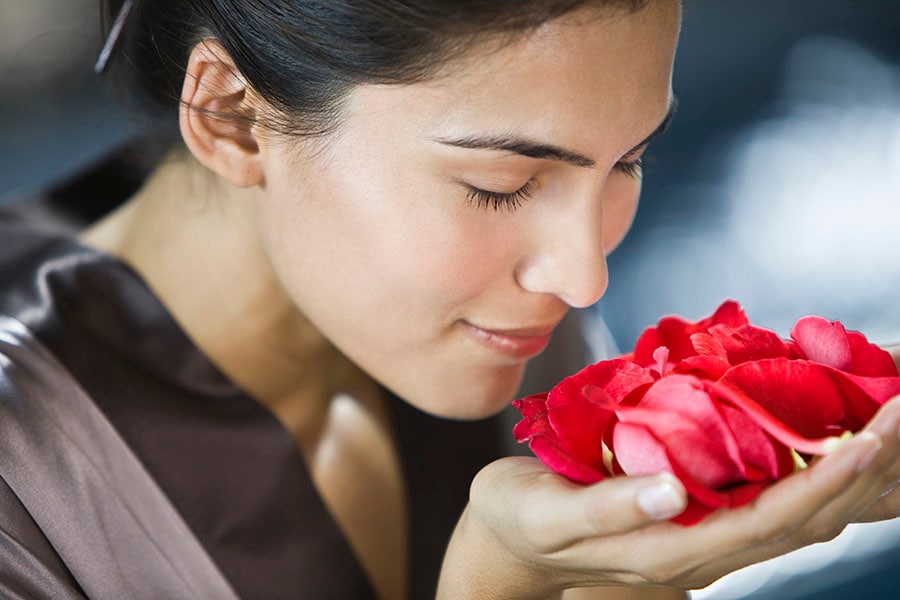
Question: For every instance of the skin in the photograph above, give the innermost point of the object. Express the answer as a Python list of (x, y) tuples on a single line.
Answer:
[(310, 269)]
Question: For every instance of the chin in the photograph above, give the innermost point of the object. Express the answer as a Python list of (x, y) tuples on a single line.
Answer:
[(470, 397)]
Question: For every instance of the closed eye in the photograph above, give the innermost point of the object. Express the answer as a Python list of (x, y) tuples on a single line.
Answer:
[(632, 168), (499, 200)]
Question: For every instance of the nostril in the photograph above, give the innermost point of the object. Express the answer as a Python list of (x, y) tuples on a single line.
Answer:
[(588, 294)]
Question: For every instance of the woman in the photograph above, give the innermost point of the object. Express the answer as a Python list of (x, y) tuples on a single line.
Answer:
[(370, 201)]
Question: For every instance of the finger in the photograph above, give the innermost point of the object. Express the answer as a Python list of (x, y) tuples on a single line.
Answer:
[(816, 505), (826, 496), (769, 526), (623, 504), (886, 507), (551, 513), (880, 478)]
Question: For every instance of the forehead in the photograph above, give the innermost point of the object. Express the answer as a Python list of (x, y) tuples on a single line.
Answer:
[(573, 80)]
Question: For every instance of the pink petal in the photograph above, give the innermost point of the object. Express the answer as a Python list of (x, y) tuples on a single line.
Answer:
[(686, 396), (640, 452), (823, 342), (653, 458), (661, 357), (699, 454)]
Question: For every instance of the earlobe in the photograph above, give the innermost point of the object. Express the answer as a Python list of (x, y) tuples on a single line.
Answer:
[(217, 114)]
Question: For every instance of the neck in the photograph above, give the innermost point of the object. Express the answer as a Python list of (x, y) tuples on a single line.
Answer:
[(192, 237)]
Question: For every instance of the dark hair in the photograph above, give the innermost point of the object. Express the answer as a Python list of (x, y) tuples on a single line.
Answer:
[(303, 56)]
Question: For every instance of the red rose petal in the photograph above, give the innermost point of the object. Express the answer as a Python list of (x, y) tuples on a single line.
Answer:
[(703, 367), (675, 333), (868, 359), (580, 425), (638, 451), (535, 428), (616, 377), (729, 313), (756, 447), (771, 424), (799, 393), (721, 412), (879, 389), (863, 396), (560, 461), (693, 514), (706, 345), (534, 417), (745, 493), (749, 342)]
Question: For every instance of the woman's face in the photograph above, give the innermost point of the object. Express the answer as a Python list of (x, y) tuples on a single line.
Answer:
[(443, 230)]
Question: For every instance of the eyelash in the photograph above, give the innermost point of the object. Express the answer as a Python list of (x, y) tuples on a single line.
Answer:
[(633, 168), (511, 201), (499, 200)]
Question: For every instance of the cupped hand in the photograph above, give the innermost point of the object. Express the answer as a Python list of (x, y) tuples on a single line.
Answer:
[(529, 533)]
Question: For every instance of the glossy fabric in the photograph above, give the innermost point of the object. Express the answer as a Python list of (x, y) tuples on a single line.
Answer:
[(226, 465), (129, 542)]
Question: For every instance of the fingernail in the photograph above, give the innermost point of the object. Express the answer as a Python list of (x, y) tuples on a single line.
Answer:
[(661, 500), (863, 463)]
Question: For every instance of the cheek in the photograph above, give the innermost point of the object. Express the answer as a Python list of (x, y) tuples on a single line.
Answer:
[(379, 243), (619, 209)]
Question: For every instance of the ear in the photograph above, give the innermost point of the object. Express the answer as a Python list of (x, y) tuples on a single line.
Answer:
[(217, 113)]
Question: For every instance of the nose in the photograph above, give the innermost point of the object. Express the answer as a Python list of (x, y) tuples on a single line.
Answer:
[(568, 258)]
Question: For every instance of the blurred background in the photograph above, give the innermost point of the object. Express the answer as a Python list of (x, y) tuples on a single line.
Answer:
[(55, 116), (777, 185)]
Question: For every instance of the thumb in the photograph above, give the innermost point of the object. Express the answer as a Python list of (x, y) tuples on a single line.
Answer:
[(549, 512)]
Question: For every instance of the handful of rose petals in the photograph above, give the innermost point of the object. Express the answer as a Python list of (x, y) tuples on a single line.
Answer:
[(724, 405)]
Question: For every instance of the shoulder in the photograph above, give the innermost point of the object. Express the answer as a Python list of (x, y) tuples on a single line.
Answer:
[(21, 239), (23, 252), (29, 566)]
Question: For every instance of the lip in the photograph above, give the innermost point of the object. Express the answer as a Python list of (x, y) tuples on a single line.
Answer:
[(519, 343)]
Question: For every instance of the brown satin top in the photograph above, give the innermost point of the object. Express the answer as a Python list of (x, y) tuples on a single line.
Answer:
[(226, 464)]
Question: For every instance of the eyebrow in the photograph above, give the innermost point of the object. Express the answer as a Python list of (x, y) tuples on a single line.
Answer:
[(535, 149)]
